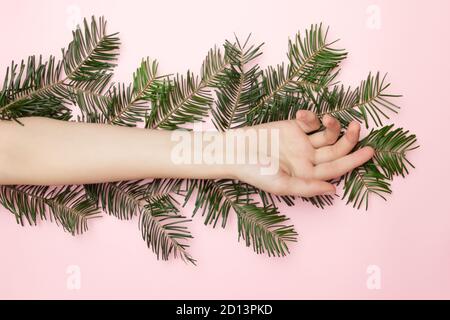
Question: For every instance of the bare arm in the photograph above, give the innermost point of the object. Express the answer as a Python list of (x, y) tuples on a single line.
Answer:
[(51, 152)]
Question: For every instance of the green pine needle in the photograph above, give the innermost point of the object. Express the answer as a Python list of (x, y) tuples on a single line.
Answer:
[(68, 205)]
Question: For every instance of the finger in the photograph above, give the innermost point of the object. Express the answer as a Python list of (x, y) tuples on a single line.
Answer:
[(307, 120), (329, 135), (288, 185), (342, 147), (337, 168)]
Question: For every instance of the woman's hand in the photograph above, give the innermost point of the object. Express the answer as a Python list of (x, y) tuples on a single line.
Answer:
[(305, 162), (51, 152)]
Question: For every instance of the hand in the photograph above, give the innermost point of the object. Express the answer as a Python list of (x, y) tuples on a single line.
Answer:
[(307, 162)]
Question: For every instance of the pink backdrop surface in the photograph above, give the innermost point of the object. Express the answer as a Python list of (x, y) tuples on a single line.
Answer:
[(407, 238)]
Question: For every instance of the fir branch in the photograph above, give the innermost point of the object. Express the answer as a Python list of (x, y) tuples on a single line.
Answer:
[(311, 61), (391, 147), (145, 79), (29, 90), (125, 108), (124, 199), (282, 108), (130, 106), (38, 89), (368, 101), (259, 226), (218, 197), (120, 199), (239, 86), (72, 209), (161, 226), (188, 98), (312, 58), (363, 181), (68, 205), (390, 159), (123, 105), (91, 54), (262, 227), (94, 107), (164, 230), (27, 203)]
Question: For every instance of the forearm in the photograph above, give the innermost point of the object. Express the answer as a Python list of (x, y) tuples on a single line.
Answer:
[(50, 152)]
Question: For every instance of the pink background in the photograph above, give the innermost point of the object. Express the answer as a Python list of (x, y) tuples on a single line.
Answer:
[(407, 237)]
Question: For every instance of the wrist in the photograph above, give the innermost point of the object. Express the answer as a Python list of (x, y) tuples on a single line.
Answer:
[(221, 152), (201, 155)]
